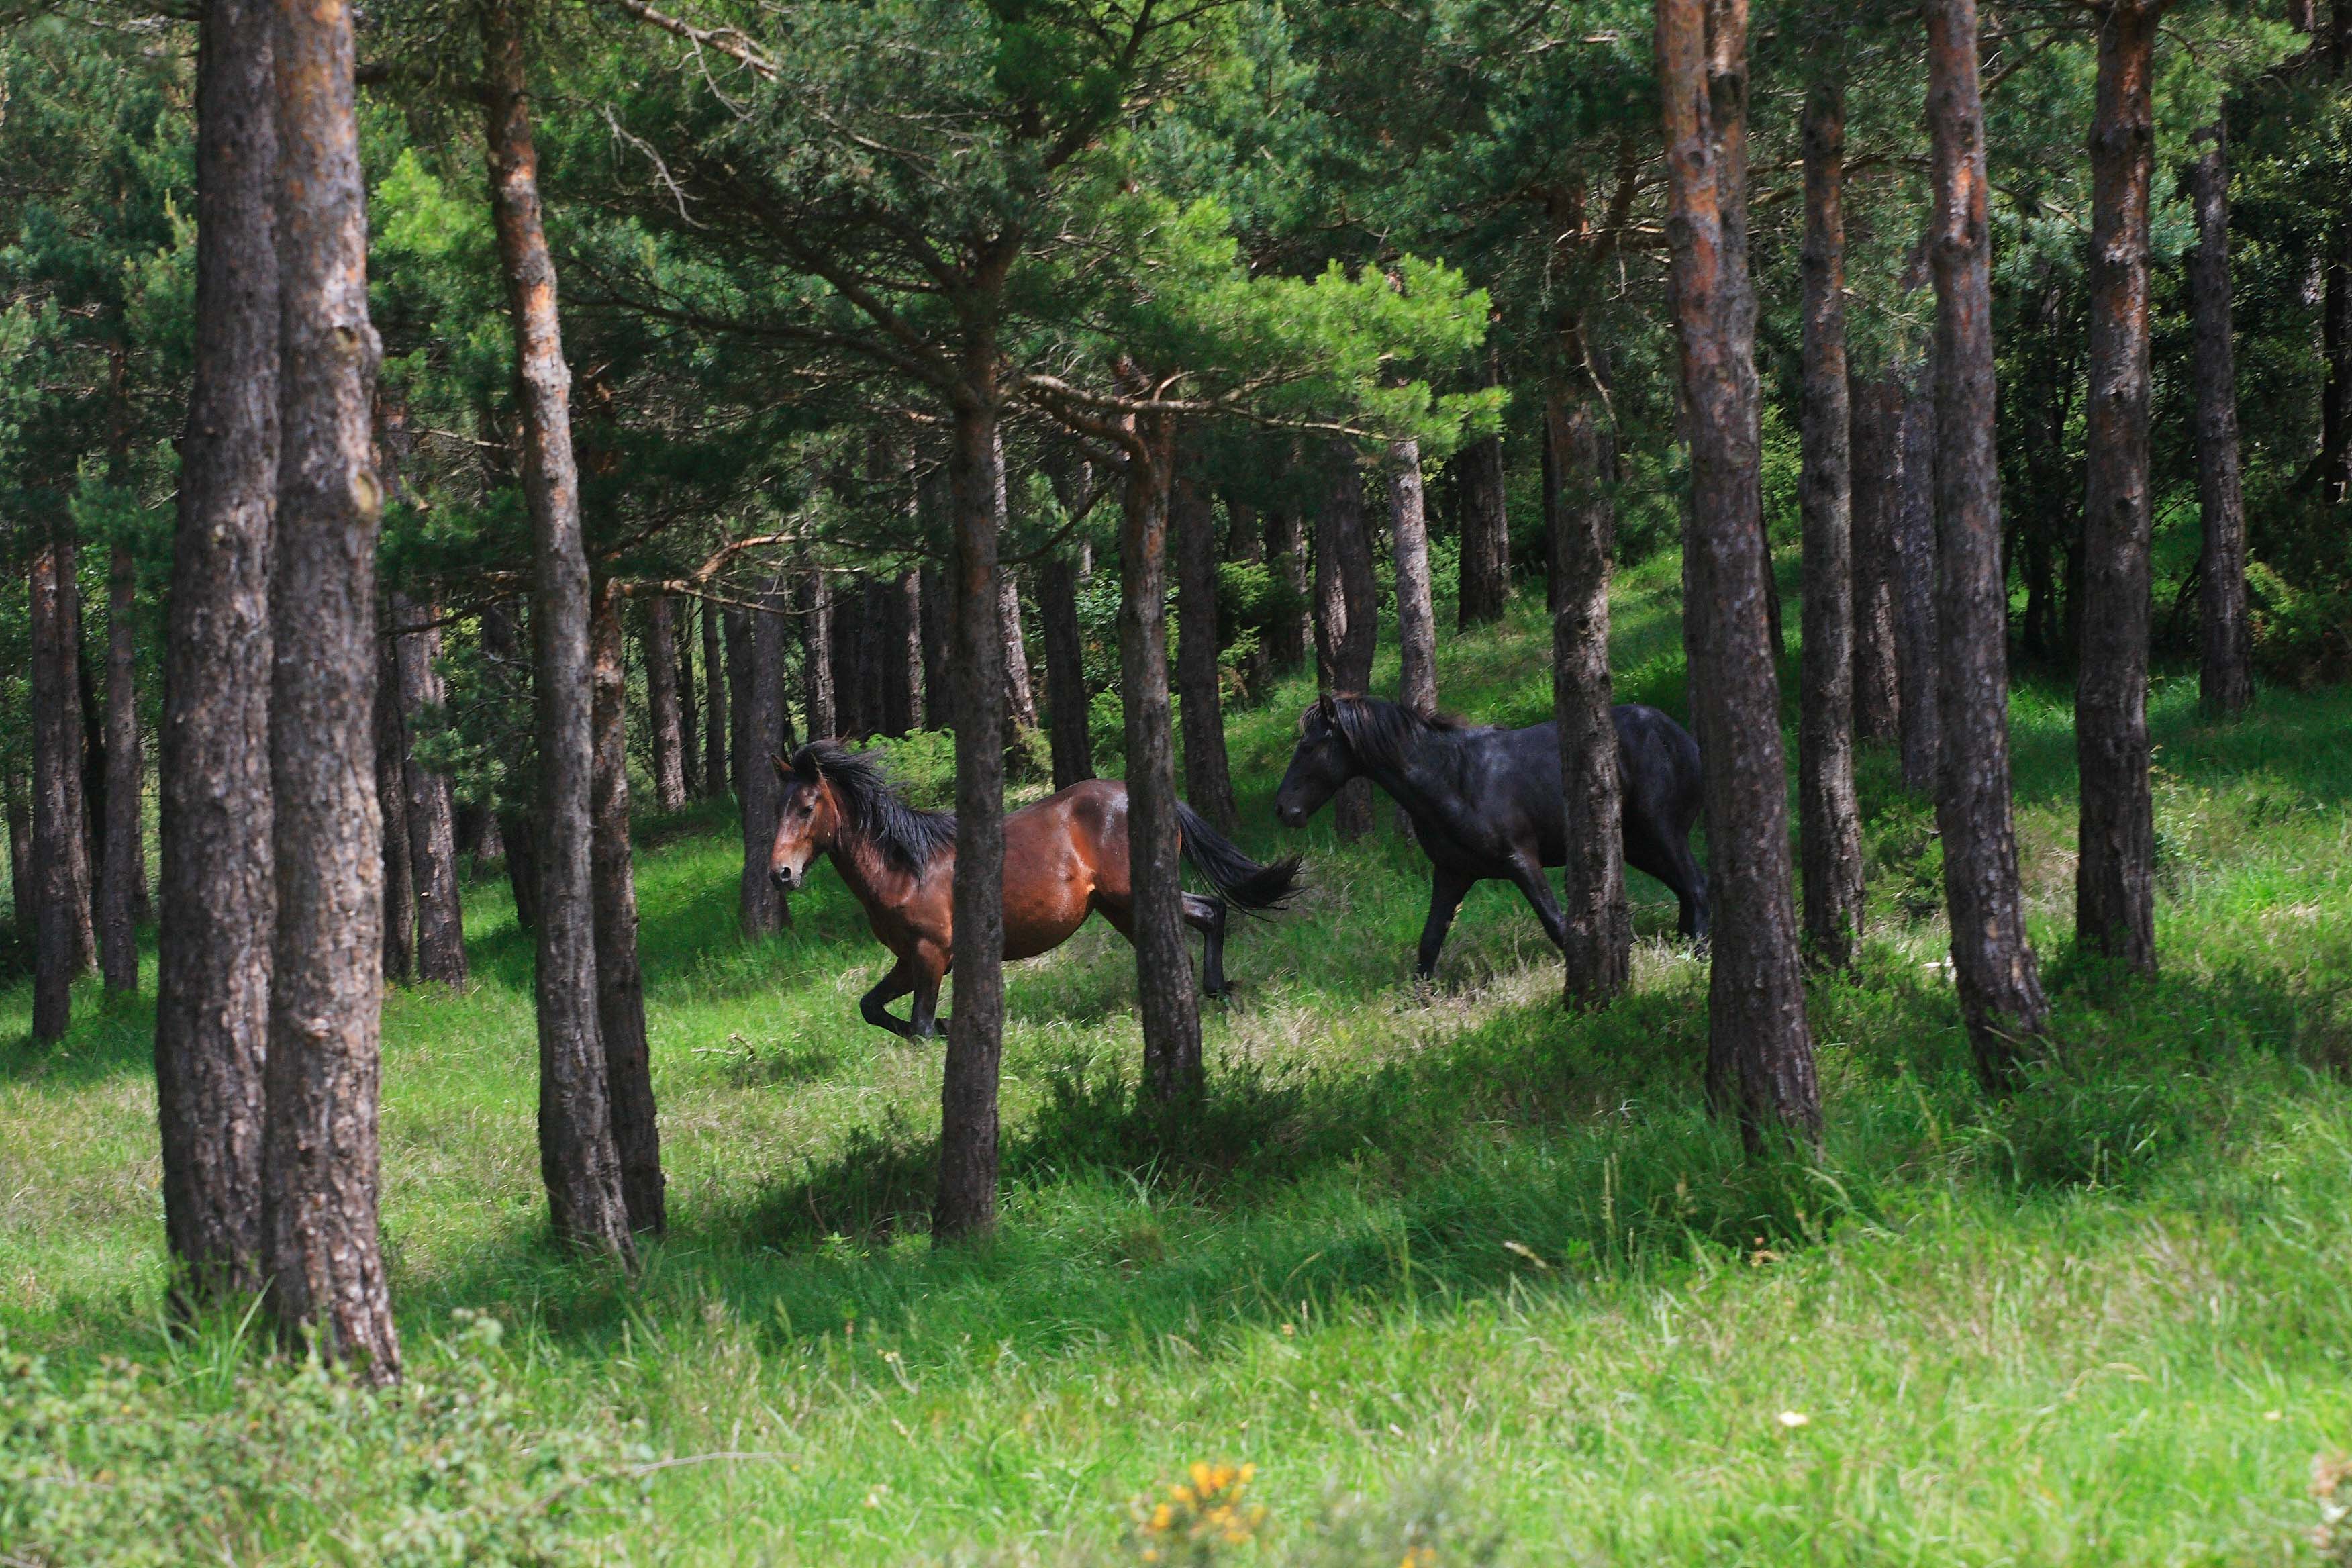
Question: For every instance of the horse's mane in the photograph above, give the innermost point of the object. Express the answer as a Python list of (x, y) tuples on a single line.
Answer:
[(874, 810), (1383, 733)]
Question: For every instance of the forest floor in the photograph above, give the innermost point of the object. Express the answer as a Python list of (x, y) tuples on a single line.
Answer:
[(1454, 1271)]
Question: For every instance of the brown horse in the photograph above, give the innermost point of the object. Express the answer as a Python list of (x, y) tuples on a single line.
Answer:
[(1065, 857)]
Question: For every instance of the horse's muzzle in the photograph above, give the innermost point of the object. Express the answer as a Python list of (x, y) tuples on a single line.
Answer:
[(785, 878), (1288, 816)]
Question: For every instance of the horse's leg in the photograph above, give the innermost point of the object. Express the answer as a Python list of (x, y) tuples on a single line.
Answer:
[(874, 1005), (1447, 888), (1207, 916), (931, 966), (1527, 874), (1647, 849)]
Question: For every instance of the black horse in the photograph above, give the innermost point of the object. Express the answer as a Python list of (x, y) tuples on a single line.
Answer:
[(1487, 802)]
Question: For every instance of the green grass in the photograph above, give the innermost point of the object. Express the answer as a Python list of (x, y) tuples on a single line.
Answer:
[(1450, 1266)]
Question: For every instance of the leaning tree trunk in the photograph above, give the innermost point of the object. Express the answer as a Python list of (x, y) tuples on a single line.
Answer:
[(56, 783), (2114, 883), (577, 1157), (817, 697), (391, 799), (966, 1204), (124, 869), (760, 904), (1759, 1050), (1347, 624), (659, 637), (1165, 997), (1919, 710), (320, 1243), (1581, 522), (620, 985), (1877, 696), (715, 728), (2225, 674), (1065, 671), (1828, 819), (1208, 778), (1416, 611), (431, 814), (1290, 627), (1999, 988)]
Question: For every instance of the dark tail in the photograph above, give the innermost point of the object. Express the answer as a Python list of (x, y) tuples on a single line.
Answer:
[(1242, 881)]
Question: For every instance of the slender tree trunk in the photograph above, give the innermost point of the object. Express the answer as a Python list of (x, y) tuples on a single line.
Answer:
[(57, 783), (431, 811), (1829, 817), (1065, 672), (516, 837), (90, 770), (1877, 693), (659, 637), (873, 664), (620, 985), (1759, 1050), (20, 851), (902, 654), (842, 640), (1416, 611), (739, 749), (817, 705), (1486, 570), (1020, 698), (2114, 886), (1207, 779), (968, 1094), (319, 1155), (1289, 631), (1581, 522), (577, 1157), (1163, 966), (689, 716), (122, 872), (2336, 311), (937, 631), (392, 797), (1920, 707), (760, 905), (715, 727), (2225, 675), (1347, 624), (1999, 988), (1246, 543)]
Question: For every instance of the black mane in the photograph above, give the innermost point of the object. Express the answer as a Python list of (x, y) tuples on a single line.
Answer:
[(872, 807), (1385, 735)]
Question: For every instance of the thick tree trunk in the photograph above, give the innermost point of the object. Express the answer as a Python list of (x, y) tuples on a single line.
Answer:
[(760, 904), (1065, 672), (391, 799), (1416, 610), (1486, 570), (1165, 997), (1347, 617), (715, 730), (1999, 989), (1759, 1050), (2114, 883), (689, 715), (1878, 694), (966, 1204), (576, 1157), (1582, 524), (319, 1154), (1829, 817), (620, 985), (431, 811), (2225, 673), (124, 872), (1290, 626), (659, 637), (1207, 779), (740, 750), (1919, 710), (58, 907), (818, 698)]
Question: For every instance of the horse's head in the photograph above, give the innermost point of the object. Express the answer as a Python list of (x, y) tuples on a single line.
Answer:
[(808, 816), (1317, 768)]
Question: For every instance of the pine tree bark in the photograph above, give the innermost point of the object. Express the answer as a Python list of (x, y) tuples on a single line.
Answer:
[(689, 716), (620, 983), (818, 706), (1999, 987), (760, 904), (517, 839), (1828, 816), (1290, 626), (1416, 610), (2115, 884), (937, 631), (320, 1160), (1485, 568), (843, 642), (1347, 624), (1878, 694), (392, 797), (1919, 710), (20, 852), (873, 656), (1581, 521), (577, 1160), (2225, 672), (1165, 997), (56, 785), (902, 654), (1020, 697), (715, 727), (1208, 777), (431, 812), (123, 871), (740, 757), (659, 638), (1759, 1048), (1065, 672), (88, 798)]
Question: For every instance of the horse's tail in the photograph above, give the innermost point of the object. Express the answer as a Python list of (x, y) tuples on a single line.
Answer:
[(1242, 880)]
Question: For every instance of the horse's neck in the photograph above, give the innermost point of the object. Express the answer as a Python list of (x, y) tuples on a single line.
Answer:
[(868, 871), (1418, 785)]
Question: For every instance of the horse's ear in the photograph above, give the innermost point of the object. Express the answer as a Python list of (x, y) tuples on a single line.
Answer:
[(783, 769), (1324, 706)]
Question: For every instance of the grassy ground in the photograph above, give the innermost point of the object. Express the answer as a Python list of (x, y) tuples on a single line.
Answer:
[(1452, 1271)]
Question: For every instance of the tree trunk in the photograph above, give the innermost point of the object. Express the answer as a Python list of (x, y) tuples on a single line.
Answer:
[(431, 807), (689, 717), (2225, 675), (20, 852), (577, 1157), (1208, 778), (1581, 522), (619, 985), (1065, 671), (873, 662), (2115, 884), (1486, 572), (320, 1157), (123, 869), (516, 837), (902, 654), (937, 633), (1919, 708), (89, 774), (968, 1098), (1759, 1050), (1020, 699), (1877, 696), (843, 642), (817, 705), (1163, 966), (659, 637), (1347, 624), (391, 798), (760, 904), (1409, 548), (1829, 817), (58, 907), (1289, 630), (1999, 990), (716, 731), (739, 756)]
